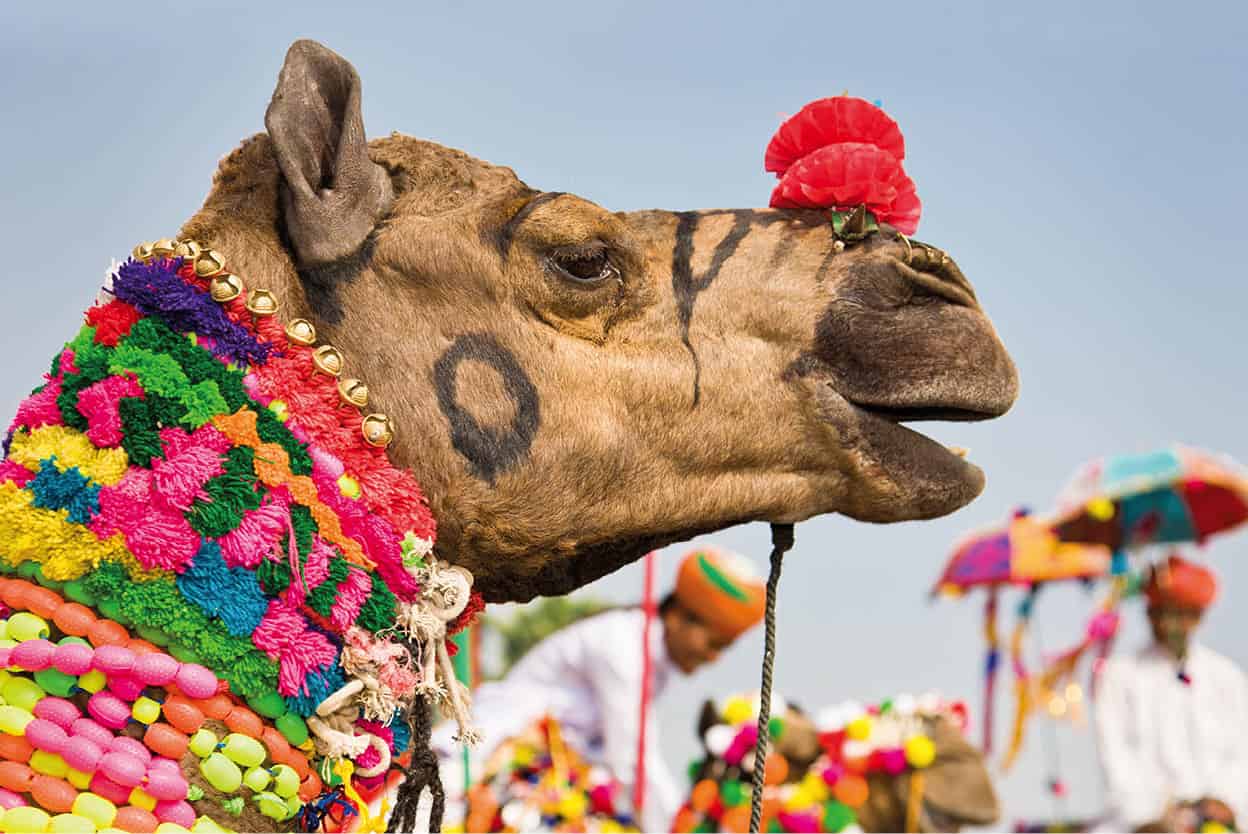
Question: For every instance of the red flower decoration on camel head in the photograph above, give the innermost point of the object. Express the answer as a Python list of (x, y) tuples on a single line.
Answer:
[(839, 153)]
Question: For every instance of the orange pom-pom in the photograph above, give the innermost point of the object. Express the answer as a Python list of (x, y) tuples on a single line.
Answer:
[(851, 789), (684, 821), (777, 769), (704, 795), (135, 819), (243, 720), (53, 794), (736, 819), (164, 740), (16, 777), (108, 633), (73, 618), (182, 714), (15, 748)]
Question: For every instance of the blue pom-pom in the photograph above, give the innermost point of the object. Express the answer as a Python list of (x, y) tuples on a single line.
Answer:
[(69, 490)]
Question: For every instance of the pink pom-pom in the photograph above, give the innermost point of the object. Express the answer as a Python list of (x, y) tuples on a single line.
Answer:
[(114, 660), (89, 728), (110, 790), (123, 769), (59, 711), (893, 760), (131, 747), (179, 812), (33, 655), (125, 687), (46, 736), (195, 681), (109, 710), (73, 658), (83, 754), (156, 669), (165, 785), (8, 799)]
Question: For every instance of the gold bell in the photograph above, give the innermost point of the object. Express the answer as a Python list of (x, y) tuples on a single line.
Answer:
[(225, 287), (187, 250), (209, 263), (353, 392), (163, 248), (378, 430), (301, 332), (328, 360), (262, 302), (142, 252)]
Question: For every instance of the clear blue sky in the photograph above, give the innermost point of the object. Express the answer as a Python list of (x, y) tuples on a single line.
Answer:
[(1084, 162)]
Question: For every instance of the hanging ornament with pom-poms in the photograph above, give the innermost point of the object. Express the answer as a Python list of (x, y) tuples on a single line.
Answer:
[(840, 153)]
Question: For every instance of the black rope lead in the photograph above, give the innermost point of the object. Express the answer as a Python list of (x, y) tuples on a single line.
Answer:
[(420, 774), (781, 543)]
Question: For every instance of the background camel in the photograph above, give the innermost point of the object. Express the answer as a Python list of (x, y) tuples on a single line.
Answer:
[(574, 387)]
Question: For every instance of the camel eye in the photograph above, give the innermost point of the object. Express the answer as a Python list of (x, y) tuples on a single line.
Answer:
[(584, 266)]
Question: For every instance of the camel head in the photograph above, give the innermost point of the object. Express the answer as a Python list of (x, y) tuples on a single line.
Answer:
[(957, 789), (575, 386)]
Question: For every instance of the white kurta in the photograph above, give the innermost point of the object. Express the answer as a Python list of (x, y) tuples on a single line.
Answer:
[(1161, 739), (588, 676)]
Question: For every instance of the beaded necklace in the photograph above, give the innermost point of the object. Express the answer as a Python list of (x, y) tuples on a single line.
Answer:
[(216, 575)]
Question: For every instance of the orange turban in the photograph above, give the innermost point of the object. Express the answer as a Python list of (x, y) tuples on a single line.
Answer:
[(1181, 583), (722, 589)]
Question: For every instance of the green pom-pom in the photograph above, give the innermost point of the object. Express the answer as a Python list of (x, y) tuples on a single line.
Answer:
[(775, 727), (732, 792), (837, 816)]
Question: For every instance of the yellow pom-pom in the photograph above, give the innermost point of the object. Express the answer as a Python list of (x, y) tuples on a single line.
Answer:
[(572, 805), (1101, 509), (349, 486), (859, 729), (737, 710), (813, 784), (145, 710), (523, 755), (279, 409), (920, 751)]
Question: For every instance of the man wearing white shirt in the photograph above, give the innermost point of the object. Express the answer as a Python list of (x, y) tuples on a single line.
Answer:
[(588, 676), (1172, 720)]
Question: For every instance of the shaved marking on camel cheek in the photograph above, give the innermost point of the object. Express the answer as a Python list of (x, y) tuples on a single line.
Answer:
[(489, 451), (321, 284), (686, 287)]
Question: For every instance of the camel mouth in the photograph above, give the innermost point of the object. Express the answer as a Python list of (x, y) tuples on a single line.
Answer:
[(927, 413)]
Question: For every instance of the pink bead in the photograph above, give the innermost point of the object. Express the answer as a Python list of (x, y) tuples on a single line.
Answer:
[(33, 655), (179, 812), (88, 728), (110, 790), (109, 710), (162, 763), (125, 687), (165, 785), (73, 658), (156, 669), (8, 800), (113, 660), (82, 754), (59, 711), (46, 736), (6, 656), (132, 747), (123, 769), (196, 681)]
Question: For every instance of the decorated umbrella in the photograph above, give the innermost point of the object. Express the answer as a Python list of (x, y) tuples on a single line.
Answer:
[(1180, 494), (1024, 552)]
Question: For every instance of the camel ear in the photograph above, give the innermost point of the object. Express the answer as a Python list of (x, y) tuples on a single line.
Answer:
[(334, 194), (957, 782)]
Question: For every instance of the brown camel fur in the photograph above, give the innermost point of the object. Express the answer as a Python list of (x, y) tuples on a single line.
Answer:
[(574, 387)]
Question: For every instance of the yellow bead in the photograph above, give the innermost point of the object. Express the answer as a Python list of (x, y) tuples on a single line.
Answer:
[(142, 799), (203, 743), (26, 626), (22, 693), (859, 729), (348, 486), (206, 825), (25, 818), (280, 410), (71, 824), (145, 710), (14, 720), (244, 750), (41, 761), (171, 828), (93, 681), (78, 779), (95, 808)]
